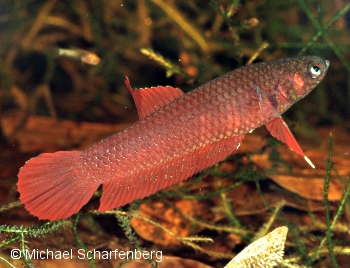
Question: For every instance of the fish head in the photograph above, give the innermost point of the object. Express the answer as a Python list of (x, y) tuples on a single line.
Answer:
[(296, 77)]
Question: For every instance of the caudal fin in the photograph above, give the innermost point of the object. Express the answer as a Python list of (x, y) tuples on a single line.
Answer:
[(51, 185)]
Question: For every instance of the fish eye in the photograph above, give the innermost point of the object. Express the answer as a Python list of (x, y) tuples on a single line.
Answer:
[(314, 69)]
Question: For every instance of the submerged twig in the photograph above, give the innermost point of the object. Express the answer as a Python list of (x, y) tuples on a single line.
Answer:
[(175, 15), (263, 46)]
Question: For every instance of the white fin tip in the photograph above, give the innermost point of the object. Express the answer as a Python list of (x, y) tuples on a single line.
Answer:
[(309, 161)]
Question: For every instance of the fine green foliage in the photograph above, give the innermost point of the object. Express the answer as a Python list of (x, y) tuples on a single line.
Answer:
[(80, 243), (43, 230), (170, 67), (330, 225), (326, 203), (21, 233), (124, 222), (310, 257), (275, 156)]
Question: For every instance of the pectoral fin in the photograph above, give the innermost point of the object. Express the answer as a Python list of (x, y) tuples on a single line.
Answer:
[(279, 129)]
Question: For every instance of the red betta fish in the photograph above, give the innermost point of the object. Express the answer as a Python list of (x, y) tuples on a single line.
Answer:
[(177, 135)]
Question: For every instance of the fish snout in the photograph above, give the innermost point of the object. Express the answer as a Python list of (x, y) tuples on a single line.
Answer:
[(327, 64)]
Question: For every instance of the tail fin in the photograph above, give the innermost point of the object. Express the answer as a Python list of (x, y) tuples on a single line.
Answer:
[(51, 187)]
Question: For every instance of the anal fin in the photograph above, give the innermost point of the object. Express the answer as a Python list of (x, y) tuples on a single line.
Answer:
[(279, 129), (148, 181)]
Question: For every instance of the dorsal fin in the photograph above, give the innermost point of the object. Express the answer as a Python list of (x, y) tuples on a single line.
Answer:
[(149, 100)]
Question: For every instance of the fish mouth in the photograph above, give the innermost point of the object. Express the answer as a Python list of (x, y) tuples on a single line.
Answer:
[(327, 64)]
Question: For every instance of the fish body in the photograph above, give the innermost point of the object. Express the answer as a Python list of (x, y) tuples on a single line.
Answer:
[(177, 135), (79, 54)]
